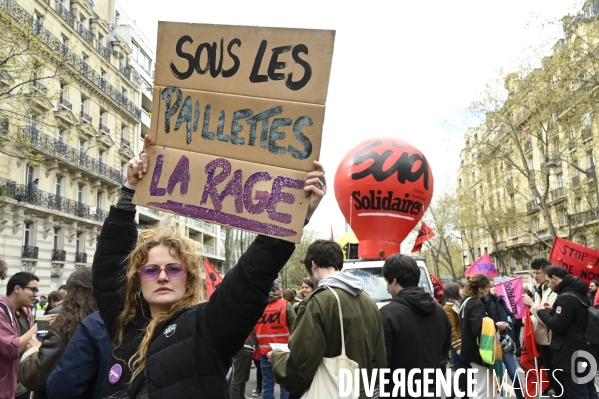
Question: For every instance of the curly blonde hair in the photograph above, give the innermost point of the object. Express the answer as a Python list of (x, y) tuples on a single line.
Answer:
[(180, 247)]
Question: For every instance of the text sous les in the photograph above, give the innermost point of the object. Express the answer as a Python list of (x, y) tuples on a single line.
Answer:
[(208, 57)]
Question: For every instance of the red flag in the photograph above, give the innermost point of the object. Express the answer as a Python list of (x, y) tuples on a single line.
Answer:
[(483, 265), (213, 279), (529, 362), (425, 234), (437, 288), (580, 261)]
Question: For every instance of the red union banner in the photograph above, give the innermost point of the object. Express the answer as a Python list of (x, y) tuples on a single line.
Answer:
[(578, 260)]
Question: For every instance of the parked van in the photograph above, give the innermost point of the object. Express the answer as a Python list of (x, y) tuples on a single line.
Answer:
[(371, 274)]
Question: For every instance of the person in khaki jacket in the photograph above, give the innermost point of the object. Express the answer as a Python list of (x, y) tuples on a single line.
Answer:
[(316, 332), (542, 295)]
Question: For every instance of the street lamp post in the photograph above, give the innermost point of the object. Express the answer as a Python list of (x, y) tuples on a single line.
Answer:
[(590, 173)]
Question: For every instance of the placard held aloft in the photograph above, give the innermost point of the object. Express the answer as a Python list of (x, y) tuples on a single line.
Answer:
[(236, 124)]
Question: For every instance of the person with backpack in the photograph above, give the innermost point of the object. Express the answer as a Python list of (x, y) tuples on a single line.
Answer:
[(498, 311), (472, 314), (567, 320)]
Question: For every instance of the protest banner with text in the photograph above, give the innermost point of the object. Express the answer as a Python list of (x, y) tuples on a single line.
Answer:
[(236, 123), (578, 260), (512, 291)]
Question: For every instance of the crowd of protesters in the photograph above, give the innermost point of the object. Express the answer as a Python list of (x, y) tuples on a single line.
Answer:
[(134, 324)]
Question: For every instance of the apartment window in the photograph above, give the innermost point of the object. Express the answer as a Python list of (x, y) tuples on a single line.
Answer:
[(478, 250), (577, 205), (125, 132), (56, 238), (83, 21), (62, 136), (29, 177), (28, 234), (58, 186), (85, 58), (103, 118), (81, 193), (534, 224), (514, 230), (140, 57), (513, 263), (531, 163), (590, 158), (79, 244), (512, 201), (100, 200), (63, 91), (124, 92), (84, 104), (460, 182), (83, 146), (101, 39), (575, 172), (562, 216), (102, 156), (559, 180)]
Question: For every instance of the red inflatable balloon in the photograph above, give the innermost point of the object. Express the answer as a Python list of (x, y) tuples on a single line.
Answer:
[(383, 187)]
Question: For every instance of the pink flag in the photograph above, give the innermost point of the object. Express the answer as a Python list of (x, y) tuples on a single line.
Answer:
[(483, 265), (512, 291)]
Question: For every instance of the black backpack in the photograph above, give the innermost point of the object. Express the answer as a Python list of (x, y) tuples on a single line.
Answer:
[(592, 330)]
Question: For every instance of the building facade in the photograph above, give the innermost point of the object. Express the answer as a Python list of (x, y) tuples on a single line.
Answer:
[(528, 173), (67, 134)]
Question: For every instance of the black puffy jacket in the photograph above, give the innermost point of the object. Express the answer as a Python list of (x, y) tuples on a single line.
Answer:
[(193, 356), (472, 313), (567, 322)]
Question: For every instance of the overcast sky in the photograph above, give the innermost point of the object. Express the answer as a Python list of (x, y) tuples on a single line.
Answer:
[(419, 64)]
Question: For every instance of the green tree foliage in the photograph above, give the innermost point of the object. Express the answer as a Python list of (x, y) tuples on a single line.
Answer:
[(294, 271)]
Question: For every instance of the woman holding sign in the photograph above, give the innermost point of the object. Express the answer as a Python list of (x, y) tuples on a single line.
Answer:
[(148, 288)]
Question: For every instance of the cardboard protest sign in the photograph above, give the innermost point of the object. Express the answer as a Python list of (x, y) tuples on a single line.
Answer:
[(578, 260), (236, 123), (512, 291), (483, 265)]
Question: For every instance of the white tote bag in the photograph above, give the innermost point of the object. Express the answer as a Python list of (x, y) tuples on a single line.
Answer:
[(326, 381)]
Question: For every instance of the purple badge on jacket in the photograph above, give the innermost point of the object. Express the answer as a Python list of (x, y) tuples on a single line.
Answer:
[(115, 373)]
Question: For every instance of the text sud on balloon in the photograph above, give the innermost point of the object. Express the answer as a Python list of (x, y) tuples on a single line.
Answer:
[(383, 187)]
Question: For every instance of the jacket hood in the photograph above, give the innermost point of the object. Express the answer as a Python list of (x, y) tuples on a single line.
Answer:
[(570, 283), (273, 296), (417, 299), (347, 282)]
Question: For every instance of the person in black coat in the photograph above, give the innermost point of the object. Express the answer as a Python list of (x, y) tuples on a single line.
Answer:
[(166, 344), (417, 329), (567, 320)]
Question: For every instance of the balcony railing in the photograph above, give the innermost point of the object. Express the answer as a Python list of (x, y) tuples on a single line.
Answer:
[(103, 129), (558, 193), (23, 17), (85, 33), (208, 250), (532, 205), (126, 71), (586, 133), (56, 148), (208, 227), (85, 117), (59, 255), (28, 194), (65, 14), (576, 181), (39, 87), (29, 252), (584, 217), (104, 52), (65, 104), (125, 143), (80, 257)]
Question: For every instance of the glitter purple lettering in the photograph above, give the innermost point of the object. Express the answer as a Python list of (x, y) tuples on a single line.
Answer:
[(277, 196), (261, 196), (213, 181), (156, 191), (234, 188), (180, 175)]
